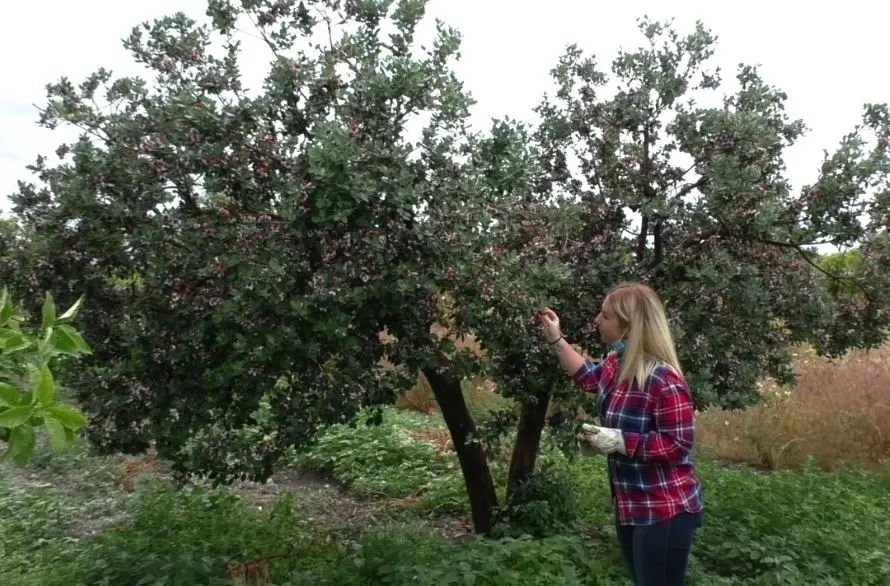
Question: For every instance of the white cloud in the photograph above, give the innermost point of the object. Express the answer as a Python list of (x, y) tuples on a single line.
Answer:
[(829, 61)]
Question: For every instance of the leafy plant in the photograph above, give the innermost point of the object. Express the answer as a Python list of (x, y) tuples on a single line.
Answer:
[(543, 506), (28, 390), (760, 528), (397, 458)]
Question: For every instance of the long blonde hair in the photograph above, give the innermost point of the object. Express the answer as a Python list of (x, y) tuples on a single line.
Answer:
[(649, 341)]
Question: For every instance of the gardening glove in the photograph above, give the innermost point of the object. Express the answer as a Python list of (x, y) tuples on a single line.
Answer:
[(605, 440)]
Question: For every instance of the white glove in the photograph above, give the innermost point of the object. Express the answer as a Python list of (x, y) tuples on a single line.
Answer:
[(603, 439)]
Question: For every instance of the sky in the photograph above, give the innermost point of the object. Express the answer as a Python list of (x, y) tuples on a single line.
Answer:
[(827, 57)]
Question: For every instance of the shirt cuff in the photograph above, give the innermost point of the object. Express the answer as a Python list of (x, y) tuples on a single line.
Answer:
[(631, 442)]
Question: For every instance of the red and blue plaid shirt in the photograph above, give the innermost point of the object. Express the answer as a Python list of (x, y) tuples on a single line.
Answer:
[(656, 480)]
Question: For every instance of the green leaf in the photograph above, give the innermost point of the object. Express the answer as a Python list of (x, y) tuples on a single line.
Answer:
[(8, 311), (45, 388), (69, 416), (72, 311), (9, 395), (49, 311), (15, 416), (69, 341), (22, 442), (4, 299), (44, 347), (57, 435), (13, 341)]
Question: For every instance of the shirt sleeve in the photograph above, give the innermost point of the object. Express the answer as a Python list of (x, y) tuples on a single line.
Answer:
[(588, 376), (674, 418)]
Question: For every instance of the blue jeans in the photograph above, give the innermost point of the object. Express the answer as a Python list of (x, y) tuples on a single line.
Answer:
[(658, 555)]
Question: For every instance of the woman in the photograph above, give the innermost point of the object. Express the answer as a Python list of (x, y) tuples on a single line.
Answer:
[(648, 431)]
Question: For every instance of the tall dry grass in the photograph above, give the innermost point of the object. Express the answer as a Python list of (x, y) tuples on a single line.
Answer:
[(838, 413)]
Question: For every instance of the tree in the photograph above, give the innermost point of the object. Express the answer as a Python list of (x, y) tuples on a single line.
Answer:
[(721, 235), (243, 248)]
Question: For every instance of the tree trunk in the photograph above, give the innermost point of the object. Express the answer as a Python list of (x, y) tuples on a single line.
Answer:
[(477, 476), (642, 237), (528, 441), (658, 255)]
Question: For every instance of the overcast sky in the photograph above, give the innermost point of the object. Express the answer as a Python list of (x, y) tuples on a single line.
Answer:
[(827, 57)]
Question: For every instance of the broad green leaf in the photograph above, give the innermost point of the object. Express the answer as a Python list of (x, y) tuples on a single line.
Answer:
[(8, 311), (15, 416), (9, 395), (69, 341), (49, 311), (13, 341), (46, 387), (45, 344), (56, 432), (22, 442), (34, 372), (69, 416), (4, 299), (72, 311)]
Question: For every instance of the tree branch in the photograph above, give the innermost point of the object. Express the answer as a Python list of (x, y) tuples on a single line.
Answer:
[(690, 187), (802, 253)]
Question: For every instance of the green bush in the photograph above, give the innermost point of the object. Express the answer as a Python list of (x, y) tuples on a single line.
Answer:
[(796, 528), (760, 528)]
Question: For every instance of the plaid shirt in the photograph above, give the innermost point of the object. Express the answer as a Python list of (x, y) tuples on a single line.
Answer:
[(656, 480)]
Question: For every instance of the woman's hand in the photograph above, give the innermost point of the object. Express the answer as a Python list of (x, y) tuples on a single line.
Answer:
[(550, 325), (604, 440), (569, 358)]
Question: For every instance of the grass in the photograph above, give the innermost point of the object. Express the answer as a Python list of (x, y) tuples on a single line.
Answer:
[(385, 504), (838, 415), (782, 527)]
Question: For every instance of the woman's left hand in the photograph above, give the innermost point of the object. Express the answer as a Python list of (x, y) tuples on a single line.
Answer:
[(605, 440)]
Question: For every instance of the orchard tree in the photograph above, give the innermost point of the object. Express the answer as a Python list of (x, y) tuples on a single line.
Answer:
[(245, 248), (718, 231), (542, 250)]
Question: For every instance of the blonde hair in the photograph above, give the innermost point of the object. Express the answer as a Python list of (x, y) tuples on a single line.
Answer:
[(649, 342)]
